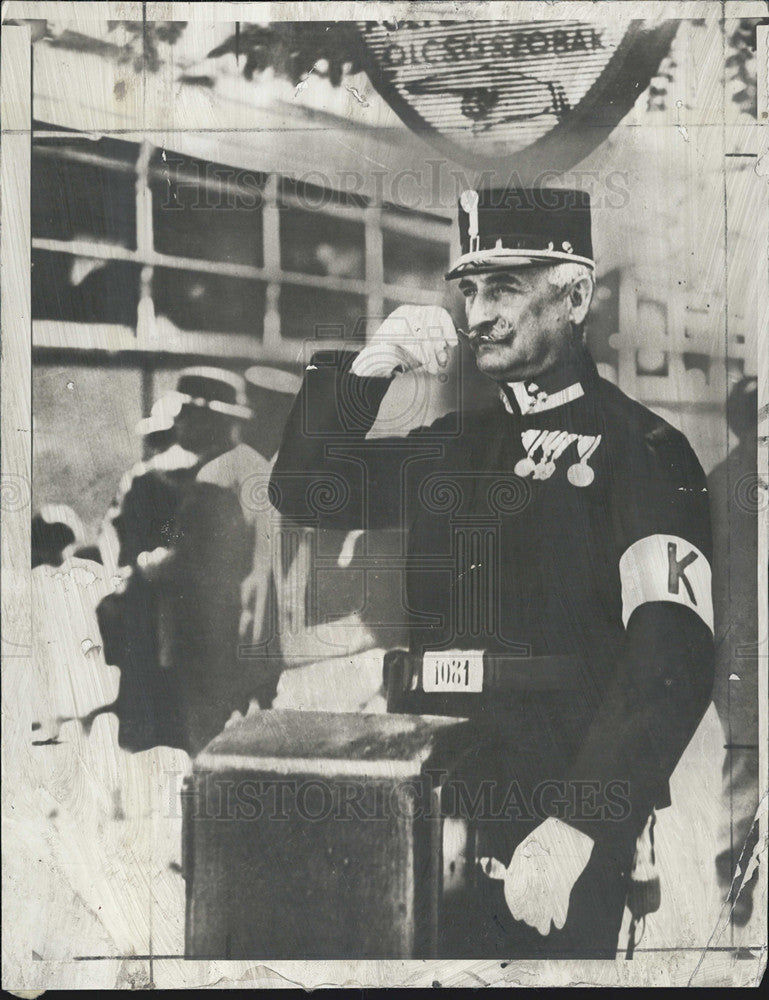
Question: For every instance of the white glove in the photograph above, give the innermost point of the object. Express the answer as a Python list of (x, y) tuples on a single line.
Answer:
[(542, 873), (152, 563), (120, 578), (411, 337)]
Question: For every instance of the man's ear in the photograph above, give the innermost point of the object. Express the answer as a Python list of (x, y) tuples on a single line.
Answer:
[(579, 300)]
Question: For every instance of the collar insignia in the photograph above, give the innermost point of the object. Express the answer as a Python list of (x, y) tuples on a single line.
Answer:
[(531, 399)]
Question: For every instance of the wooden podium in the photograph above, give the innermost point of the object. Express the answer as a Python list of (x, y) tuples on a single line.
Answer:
[(317, 836)]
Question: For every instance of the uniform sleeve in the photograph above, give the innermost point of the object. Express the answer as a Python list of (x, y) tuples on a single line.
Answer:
[(327, 473), (663, 528), (664, 678)]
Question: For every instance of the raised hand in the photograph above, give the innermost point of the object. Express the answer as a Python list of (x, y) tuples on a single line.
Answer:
[(411, 338)]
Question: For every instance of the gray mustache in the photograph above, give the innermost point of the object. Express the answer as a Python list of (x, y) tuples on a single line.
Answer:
[(496, 331)]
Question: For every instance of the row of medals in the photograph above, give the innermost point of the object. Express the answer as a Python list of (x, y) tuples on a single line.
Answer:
[(553, 445)]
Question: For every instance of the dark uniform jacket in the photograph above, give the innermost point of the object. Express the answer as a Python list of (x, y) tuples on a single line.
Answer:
[(564, 532)]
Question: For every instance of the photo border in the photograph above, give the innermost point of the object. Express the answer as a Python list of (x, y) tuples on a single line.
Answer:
[(716, 965)]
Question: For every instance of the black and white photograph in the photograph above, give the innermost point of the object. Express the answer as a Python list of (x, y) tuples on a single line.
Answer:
[(384, 494)]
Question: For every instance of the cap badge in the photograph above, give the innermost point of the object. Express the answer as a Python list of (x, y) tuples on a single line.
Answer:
[(469, 202)]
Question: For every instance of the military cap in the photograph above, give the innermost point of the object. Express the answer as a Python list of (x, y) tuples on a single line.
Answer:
[(522, 227)]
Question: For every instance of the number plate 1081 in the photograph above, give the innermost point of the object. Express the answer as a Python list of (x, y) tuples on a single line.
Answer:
[(460, 670)]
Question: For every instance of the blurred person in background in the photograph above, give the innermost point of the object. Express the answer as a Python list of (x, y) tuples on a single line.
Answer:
[(203, 413), (158, 435), (79, 829), (69, 679), (734, 508), (246, 470), (56, 532), (183, 550)]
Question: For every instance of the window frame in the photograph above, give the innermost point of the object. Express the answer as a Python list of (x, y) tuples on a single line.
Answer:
[(151, 336)]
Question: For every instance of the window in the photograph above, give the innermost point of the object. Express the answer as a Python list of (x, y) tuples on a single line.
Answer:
[(160, 243), (650, 361), (315, 313), (78, 289), (697, 362), (196, 301), (206, 210), (82, 201), (413, 262), (316, 243)]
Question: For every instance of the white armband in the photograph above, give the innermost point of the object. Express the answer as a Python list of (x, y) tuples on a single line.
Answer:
[(666, 568)]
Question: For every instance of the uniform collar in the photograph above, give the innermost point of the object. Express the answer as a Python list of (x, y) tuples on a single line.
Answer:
[(533, 399), (550, 390)]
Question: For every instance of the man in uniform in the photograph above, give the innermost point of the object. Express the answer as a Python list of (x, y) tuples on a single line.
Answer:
[(557, 575)]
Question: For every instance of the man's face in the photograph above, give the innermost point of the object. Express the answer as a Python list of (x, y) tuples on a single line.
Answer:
[(519, 324)]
